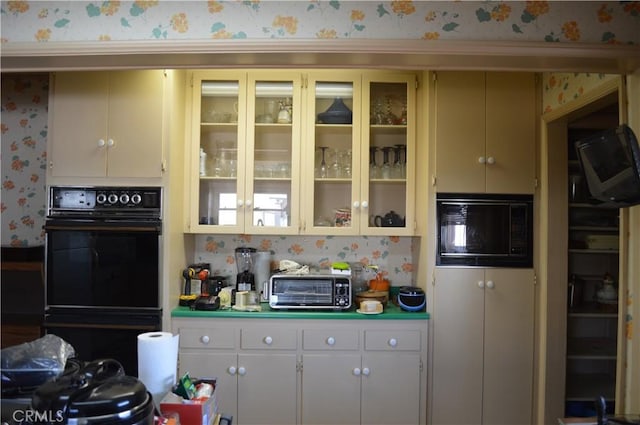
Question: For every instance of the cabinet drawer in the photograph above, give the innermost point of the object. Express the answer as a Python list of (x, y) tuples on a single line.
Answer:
[(392, 340), (330, 339), (272, 339), (207, 338)]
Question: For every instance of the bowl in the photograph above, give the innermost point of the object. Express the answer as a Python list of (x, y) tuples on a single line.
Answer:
[(382, 296)]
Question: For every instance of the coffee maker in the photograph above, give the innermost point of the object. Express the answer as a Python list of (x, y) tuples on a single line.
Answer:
[(245, 261)]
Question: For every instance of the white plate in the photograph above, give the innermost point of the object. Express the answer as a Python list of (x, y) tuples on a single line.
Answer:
[(368, 312)]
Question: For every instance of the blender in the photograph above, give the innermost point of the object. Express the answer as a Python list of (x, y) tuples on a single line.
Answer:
[(245, 260)]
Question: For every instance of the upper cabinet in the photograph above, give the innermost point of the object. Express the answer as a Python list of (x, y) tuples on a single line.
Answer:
[(319, 152), (245, 161), (106, 124), (485, 132)]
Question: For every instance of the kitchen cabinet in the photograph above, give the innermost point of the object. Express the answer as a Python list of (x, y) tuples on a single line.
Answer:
[(362, 380), (289, 152), (482, 370), (244, 163), (360, 171), (106, 124), (326, 371), (485, 132), (592, 317), (247, 363)]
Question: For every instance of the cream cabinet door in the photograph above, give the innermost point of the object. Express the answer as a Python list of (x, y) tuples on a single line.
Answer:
[(388, 154), (79, 114), (221, 366), (107, 124), (331, 389), (135, 124), (511, 132), (460, 131), (391, 388), (508, 346), (267, 389), (458, 326)]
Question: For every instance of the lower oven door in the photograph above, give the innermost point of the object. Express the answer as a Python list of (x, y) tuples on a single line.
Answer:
[(105, 333), (102, 263)]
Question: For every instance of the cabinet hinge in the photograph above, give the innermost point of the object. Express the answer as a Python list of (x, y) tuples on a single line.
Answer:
[(433, 180), (421, 366), (417, 84), (299, 366), (191, 81), (535, 279), (163, 165), (305, 82), (434, 76), (535, 183)]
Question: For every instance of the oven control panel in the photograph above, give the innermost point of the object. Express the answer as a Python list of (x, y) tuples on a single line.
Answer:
[(129, 201)]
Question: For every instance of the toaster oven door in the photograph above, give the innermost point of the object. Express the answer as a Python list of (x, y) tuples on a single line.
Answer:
[(301, 292)]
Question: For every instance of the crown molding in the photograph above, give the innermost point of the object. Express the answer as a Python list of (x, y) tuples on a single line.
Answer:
[(278, 53)]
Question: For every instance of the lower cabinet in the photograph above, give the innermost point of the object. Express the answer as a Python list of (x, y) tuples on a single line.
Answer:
[(283, 371), (482, 371)]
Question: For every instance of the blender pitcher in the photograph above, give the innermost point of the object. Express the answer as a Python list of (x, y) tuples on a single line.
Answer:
[(245, 260)]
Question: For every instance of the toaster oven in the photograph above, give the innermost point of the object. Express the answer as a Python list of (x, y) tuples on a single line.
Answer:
[(311, 291)]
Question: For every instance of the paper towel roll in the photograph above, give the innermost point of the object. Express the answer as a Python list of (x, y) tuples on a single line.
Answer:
[(158, 362)]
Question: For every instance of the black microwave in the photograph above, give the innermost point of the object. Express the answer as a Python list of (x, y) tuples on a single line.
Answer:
[(484, 230)]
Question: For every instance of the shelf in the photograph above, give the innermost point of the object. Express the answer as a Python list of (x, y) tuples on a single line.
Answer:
[(388, 180), (591, 348), (593, 251), (586, 387), (594, 228), (594, 310)]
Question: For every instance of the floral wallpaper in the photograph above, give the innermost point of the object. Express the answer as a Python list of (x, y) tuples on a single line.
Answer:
[(542, 21), (391, 255), (561, 88), (23, 157)]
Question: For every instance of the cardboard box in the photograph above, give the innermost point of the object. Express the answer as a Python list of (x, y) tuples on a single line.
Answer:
[(199, 411), (608, 242)]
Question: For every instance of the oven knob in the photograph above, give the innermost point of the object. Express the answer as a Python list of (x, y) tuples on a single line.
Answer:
[(113, 198), (124, 199), (101, 198), (136, 198)]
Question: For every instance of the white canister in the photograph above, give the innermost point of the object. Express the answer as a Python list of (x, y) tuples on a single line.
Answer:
[(263, 273)]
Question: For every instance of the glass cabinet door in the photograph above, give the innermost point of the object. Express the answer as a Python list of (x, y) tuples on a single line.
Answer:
[(388, 143), (217, 110), (273, 153), (332, 156)]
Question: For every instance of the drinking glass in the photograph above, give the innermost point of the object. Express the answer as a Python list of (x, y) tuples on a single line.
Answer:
[(374, 171), (386, 165), (322, 171)]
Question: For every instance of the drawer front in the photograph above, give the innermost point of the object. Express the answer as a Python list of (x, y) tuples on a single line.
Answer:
[(392, 340), (268, 339), (330, 339), (207, 338)]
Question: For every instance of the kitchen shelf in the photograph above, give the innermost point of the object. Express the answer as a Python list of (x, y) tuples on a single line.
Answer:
[(593, 309), (594, 229), (591, 348), (593, 251), (585, 387)]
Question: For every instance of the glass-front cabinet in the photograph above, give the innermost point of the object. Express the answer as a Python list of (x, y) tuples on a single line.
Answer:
[(311, 152), (249, 149), (360, 133)]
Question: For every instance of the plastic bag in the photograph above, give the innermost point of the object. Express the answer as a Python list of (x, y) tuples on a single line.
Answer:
[(32, 363)]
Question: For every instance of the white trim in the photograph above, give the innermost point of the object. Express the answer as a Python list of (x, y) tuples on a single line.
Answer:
[(394, 54)]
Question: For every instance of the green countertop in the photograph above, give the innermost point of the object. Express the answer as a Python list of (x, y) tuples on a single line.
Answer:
[(391, 312)]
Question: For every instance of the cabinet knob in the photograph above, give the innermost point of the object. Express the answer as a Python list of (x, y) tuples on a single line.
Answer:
[(357, 371), (482, 160), (331, 341), (242, 371), (356, 204), (491, 160), (110, 143), (365, 204), (366, 371), (490, 284), (481, 284), (393, 342), (240, 203), (232, 370), (101, 143), (268, 340), (205, 339), (248, 202)]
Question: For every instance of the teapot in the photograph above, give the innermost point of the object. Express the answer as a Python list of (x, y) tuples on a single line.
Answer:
[(390, 219)]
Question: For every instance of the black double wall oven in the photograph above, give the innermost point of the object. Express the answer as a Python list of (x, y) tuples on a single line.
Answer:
[(102, 269)]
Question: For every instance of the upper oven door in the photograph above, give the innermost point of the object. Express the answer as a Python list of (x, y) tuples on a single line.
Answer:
[(94, 263)]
